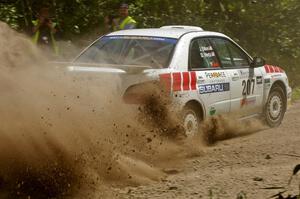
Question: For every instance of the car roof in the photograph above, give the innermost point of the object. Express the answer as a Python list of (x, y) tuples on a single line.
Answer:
[(175, 33)]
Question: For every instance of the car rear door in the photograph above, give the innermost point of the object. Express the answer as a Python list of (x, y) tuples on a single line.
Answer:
[(213, 84), (246, 83)]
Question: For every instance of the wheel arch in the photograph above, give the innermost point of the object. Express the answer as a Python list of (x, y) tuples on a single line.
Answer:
[(281, 84), (274, 123), (197, 106)]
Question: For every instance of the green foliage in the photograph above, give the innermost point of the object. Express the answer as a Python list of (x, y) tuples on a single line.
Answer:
[(268, 28), (296, 94), (9, 14)]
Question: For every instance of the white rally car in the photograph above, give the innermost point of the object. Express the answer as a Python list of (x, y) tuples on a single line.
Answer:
[(206, 73)]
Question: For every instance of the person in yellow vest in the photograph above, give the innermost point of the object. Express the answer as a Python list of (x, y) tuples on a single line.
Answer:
[(44, 31), (125, 21)]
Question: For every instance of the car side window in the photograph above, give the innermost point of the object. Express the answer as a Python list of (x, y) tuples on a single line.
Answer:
[(202, 55), (240, 59), (229, 54)]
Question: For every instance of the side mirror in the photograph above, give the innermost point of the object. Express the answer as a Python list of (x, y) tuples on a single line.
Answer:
[(257, 62)]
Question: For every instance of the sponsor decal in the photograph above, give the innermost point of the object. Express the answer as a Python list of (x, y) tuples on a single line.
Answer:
[(215, 75), (212, 111), (275, 76), (244, 72), (213, 88), (235, 77), (267, 81), (215, 81), (200, 80), (273, 69), (248, 101), (160, 39), (259, 80)]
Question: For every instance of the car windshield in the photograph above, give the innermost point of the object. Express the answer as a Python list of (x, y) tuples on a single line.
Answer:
[(130, 50)]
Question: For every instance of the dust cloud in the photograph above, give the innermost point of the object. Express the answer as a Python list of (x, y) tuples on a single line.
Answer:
[(222, 127), (68, 135)]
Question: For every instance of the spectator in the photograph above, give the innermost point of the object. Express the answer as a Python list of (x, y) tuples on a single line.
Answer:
[(125, 21), (44, 31)]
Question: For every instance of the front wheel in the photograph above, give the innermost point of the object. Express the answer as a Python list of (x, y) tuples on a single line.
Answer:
[(275, 107)]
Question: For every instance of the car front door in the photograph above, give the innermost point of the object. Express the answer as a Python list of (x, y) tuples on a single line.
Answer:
[(213, 84), (246, 82)]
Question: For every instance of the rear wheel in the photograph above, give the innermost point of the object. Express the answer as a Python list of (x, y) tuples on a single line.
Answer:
[(191, 119), (275, 107)]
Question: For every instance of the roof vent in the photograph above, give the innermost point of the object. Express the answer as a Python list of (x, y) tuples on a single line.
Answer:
[(182, 27)]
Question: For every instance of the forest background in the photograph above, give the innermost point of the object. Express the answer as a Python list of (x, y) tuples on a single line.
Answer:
[(266, 28)]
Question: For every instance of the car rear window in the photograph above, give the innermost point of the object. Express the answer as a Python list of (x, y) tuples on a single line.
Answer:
[(130, 50)]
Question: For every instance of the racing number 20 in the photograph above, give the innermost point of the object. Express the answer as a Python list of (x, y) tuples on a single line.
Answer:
[(248, 86)]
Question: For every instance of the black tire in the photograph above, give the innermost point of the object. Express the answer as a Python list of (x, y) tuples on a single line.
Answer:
[(191, 118), (275, 107)]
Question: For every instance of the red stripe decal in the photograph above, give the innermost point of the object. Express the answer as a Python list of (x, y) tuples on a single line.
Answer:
[(176, 81), (281, 70), (193, 80), (273, 69), (267, 69), (186, 81), (165, 79)]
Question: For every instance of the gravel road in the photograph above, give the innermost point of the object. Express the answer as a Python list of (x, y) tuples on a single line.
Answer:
[(251, 166)]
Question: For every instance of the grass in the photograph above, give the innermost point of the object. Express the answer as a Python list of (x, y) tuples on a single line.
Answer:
[(296, 94)]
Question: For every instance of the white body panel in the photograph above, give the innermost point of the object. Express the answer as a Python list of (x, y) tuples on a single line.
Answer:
[(217, 90)]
